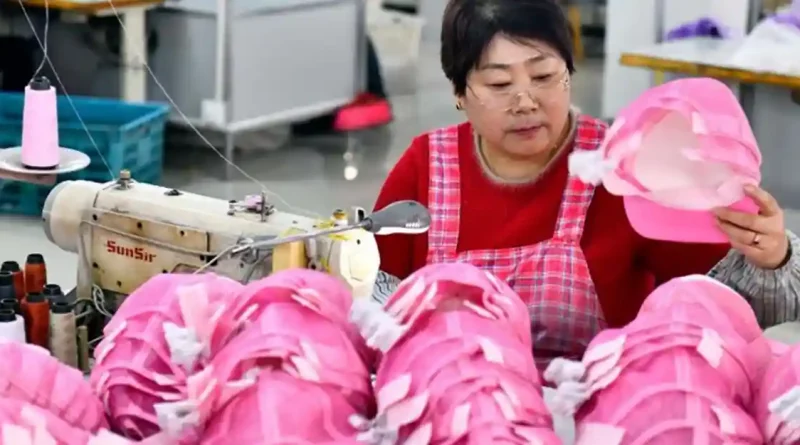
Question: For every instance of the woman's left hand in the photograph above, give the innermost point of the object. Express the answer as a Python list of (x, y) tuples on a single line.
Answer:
[(760, 237)]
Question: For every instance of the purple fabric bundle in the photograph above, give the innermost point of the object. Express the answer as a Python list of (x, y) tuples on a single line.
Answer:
[(705, 27), (789, 17)]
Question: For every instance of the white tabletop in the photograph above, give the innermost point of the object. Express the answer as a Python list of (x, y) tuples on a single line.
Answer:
[(697, 50), (709, 52)]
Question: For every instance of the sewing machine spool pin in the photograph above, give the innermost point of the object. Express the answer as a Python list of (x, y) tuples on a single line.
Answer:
[(124, 181), (252, 204)]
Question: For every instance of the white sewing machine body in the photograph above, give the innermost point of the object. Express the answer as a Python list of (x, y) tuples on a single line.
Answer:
[(125, 232)]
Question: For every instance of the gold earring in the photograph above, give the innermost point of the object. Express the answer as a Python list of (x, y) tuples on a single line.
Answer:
[(459, 107)]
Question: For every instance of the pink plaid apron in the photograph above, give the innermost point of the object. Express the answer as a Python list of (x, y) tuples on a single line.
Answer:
[(552, 277)]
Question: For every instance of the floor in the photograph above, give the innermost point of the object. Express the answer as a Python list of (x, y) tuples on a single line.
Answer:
[(310, 173)]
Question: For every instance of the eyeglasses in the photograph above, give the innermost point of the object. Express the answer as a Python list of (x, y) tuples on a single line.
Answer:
[(508, 98)]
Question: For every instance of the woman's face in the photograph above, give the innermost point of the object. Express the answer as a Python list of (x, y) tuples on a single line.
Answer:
[(518, 97)]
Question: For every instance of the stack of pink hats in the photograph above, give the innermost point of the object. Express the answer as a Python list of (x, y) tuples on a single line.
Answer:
[(44, 402), (26, 424), (456, 363), (296, 373), (23, 423), (200, 359), (162, 334), (777, 405), (30, 375), (682, 372)]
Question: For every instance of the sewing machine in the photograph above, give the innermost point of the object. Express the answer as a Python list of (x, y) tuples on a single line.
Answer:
[(125, 232)]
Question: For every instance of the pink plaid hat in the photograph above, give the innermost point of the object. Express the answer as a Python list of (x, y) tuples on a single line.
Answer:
[(457, 365), (294, 373), (679, 374), (162, 335), (777, 405), (714, 303), (24, 424), (677, 152), (30, 375), (284, 409)]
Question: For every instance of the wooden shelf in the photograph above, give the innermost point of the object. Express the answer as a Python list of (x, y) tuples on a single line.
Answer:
[(706, 70)]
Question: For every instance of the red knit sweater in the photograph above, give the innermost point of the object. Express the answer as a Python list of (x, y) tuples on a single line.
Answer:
[(624, 266)]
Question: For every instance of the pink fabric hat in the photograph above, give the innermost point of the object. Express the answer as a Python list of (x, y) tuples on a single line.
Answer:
[(30, 375), (294, 373), (677, 152), (284, 409), (457, 365), (164, 333), (713, 303), (777, 405), (22, 423), (687, 356), (25, 424)]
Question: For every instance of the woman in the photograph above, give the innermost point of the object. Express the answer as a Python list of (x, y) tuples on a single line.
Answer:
[(501, 198)]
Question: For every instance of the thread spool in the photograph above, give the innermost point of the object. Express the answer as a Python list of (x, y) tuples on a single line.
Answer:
[(52, 292), (40, 150), (35, 273), (13, 268), (63, 333), (7, 286), (12, 326), (83, 348), (36, 312), (10, 304)]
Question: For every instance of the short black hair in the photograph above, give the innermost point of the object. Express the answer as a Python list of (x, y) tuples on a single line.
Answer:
[(469, 26)]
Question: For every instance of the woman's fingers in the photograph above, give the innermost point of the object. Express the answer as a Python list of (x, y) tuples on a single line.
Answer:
[(767, 204), (737, 234)]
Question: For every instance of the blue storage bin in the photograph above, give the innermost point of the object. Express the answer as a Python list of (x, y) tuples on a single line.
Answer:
[(128, 135)]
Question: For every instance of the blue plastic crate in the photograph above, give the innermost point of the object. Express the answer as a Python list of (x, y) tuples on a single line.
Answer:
[(129, 136)]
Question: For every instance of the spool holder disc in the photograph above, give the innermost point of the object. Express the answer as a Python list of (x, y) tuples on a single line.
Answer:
[(12, 168)]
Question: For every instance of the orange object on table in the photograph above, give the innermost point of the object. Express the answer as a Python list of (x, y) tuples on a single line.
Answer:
[(36, 312), (35, 274)]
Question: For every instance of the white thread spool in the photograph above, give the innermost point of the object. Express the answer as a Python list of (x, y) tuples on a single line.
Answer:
[(12, 326), (63, 333)]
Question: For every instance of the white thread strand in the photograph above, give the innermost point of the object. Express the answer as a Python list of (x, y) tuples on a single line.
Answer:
[(46, 34), (169, 98), (200, 134), (97, 297)]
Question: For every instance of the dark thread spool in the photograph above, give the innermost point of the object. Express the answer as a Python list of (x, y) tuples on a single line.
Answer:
[(13, 268)]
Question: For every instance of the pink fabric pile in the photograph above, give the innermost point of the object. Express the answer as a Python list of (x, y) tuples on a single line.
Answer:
[(309, 363), (456, 365), (200, 359), (43, 402), (682, 372), (164, 333), (777, 405)]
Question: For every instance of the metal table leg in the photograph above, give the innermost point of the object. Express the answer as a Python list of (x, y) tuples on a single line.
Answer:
[(230, 148)]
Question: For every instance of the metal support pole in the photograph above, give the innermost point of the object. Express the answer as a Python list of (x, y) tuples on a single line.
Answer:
[(220, 70), (747, 92)]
